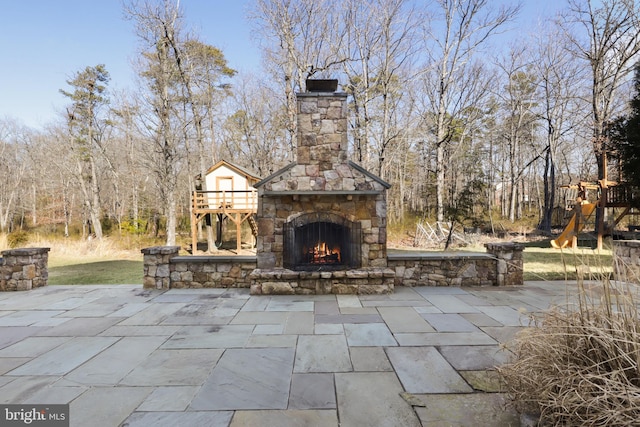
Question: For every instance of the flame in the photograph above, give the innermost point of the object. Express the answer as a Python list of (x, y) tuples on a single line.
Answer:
[(323, 254)]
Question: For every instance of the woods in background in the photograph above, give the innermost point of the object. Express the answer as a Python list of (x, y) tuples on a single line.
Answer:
[(468, 117)]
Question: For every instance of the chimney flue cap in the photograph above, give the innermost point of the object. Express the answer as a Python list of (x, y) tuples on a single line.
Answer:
[(322, 85)]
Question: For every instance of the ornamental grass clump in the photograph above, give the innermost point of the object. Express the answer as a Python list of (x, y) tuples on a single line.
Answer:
[(579, 365)]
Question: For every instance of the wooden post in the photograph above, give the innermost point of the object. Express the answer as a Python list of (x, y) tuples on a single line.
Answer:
[(576, 224), (194, 226), (238, 222), (602, 203)]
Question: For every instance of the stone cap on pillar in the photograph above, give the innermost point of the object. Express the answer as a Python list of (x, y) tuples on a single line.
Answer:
[(161, 250), (25, 251)]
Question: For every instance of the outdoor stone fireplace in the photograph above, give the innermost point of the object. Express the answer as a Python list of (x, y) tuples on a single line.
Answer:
[(322, 221), (322, 242)]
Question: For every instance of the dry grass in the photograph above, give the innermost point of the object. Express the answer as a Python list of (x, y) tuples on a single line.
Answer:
[(580, 364), (77, 251), (89, 262), (67, 251)]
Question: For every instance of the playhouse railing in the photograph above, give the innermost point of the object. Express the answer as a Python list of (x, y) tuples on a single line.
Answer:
[(226, 200)]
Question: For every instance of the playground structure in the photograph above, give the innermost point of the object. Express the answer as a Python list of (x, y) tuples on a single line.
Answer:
[(230, 196), (612, 199)]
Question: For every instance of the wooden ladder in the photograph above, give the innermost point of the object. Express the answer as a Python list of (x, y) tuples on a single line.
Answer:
[(253, 224)]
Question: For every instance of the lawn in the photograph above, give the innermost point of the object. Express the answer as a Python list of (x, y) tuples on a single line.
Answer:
[(93, 263), (542, 263), (107, 272)]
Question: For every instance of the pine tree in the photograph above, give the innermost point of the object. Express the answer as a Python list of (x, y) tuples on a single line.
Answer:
[(626, 137)]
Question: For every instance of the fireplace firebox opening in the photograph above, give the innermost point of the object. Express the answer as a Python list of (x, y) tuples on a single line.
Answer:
[(320, 242)]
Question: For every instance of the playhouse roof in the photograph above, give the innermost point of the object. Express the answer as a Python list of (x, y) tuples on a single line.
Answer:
[(250, 175)]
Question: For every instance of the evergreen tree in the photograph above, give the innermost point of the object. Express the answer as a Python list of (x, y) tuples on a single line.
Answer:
[(86, 131), (625, 135)]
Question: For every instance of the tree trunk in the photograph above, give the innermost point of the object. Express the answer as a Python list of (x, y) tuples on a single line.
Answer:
[(172, 222), (94, 205)]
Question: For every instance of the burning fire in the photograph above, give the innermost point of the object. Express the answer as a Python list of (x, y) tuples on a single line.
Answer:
[(321, 253)]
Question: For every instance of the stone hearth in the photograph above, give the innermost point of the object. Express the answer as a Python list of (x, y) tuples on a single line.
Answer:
[(322, 190)]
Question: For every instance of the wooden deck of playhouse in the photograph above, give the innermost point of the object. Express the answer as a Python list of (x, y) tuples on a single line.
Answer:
[(236, 205)]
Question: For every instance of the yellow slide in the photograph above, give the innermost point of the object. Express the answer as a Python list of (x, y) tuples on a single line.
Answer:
[(566, 238)]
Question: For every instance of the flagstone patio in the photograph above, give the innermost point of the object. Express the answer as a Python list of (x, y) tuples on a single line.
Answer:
[(124, 355)]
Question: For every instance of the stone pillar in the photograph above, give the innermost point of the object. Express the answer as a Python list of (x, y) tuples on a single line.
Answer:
[(508, 262), (24, 269), (626, 260), (156, 266)]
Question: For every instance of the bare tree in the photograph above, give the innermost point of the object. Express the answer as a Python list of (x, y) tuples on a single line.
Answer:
[(13, 166), (518, 99), (559, 84), (301, 39), (157, 27), (381, 42), (460, 28), (255, 131), (125, 114)]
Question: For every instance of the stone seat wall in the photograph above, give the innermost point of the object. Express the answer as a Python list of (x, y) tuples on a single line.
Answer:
[(500, 266), (627, 260)]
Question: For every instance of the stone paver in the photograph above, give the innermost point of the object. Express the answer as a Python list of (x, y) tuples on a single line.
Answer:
[(20, 389), (449, 322), (323, 353), (372, 399), (290, 418), (369, 335), (106, 406), (173, 367), (472, 358), (402, 319), (68, 356), (172, 419), (176, 398), (466, 410), (369, 359), (32, 346), (248, 379), (312, 391), (111, 365), (424, 370), (121, 355)]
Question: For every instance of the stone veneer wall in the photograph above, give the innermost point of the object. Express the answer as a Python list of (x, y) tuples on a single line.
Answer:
[(626, 255), (443, 269), (24, 269), (500, 266), (368, 210), (164, 269)]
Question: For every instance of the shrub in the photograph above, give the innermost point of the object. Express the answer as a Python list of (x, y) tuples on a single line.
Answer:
[(134, 227), (580, 364), (17, 238)]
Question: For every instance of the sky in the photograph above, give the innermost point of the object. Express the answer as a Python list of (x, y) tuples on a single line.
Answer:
[(43, 43)]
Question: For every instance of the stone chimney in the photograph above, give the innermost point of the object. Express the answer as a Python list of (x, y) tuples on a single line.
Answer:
[(322, 127)]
